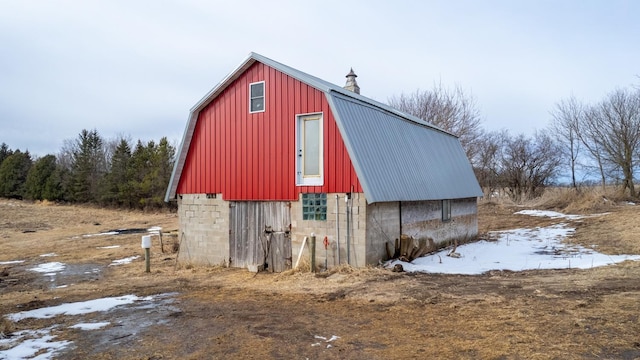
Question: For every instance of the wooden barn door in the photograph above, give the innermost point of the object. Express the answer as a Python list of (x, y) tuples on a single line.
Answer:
[(260, 235)]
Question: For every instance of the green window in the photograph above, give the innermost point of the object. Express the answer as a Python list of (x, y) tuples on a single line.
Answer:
[(314, 207)]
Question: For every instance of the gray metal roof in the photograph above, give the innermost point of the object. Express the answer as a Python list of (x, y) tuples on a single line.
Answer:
[(397, 157)]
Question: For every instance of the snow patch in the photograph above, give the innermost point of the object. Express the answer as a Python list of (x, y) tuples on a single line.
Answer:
[(127, 260), (11, 262), (154, 229), (49, 268), (77, 308), (108, 247), (549, 214), (318, 337), (515, 250), (90, 326), (26, 344)]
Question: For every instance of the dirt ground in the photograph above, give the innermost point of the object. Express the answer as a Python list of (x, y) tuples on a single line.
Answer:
[(218, 313)]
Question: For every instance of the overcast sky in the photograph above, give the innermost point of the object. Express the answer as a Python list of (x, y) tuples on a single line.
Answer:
[(135, 68)]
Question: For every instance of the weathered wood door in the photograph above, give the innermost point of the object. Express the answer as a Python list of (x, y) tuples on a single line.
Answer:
[(260, 235)]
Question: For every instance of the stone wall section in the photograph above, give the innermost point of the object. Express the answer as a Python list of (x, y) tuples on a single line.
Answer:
[(383, 226), (204, 229), (357, 249)]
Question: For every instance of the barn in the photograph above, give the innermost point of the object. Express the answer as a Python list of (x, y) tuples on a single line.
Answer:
[(272, 155)]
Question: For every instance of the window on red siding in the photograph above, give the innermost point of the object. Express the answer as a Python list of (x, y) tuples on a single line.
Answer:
[(256, 97), (309, 141)]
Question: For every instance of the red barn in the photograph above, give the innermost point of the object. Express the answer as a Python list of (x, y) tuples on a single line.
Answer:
[(272, 154)]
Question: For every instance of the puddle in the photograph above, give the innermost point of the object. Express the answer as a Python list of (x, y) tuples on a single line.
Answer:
[(58, 275), (101, 324), (152, 230)]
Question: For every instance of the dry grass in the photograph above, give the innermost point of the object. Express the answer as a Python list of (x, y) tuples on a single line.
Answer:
[(6, 327), (235, 314)]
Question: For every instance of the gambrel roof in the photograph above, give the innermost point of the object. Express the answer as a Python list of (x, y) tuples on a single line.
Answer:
[(396, 156)]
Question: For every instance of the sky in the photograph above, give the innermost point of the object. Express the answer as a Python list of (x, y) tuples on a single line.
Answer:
[(135, 68)]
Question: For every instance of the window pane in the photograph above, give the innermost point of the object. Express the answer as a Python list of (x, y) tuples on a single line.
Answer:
[(311, 149), (257, 104), (446, 210), (257, 90)]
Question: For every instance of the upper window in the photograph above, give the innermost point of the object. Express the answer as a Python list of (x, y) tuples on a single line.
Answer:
[(256, 97), (309, 164), (446, 210)]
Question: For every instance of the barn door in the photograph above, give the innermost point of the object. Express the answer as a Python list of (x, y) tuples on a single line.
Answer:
[(259, 235)]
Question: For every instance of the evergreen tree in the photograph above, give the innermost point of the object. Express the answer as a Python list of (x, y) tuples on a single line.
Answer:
[(162, 165), (13, 174), (41, 183), (118, 181), (4, 152), (88, 166), (140, 169)]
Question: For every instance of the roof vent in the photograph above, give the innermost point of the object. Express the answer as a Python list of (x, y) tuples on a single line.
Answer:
[(352, 84)]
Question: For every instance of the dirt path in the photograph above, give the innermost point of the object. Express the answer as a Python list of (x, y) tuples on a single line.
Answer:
[(375, 314)]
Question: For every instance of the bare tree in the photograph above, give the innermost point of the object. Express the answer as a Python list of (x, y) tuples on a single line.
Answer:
[(488, 167), (613, 129), (529, 165), (588, 134), (566, 118), (450, 109)]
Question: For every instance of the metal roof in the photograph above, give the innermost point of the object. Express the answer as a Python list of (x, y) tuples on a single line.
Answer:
[(397, 157)]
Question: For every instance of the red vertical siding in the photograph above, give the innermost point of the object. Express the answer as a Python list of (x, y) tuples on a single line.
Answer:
[(252, 156)]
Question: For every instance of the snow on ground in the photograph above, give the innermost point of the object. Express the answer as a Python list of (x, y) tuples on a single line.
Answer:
[(549, 214), (77, 308), (11, 262), (108, 247), (49, 255), (90, 326), (50, 268), (324, 339), (517, 250), (154, 230), (27, 343), (100, 234), (126, 260)]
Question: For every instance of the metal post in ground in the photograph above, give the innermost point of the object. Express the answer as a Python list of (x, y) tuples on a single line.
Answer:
[(313, 252)]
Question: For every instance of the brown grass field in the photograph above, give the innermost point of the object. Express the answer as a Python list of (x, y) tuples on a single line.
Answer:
[(220, 313)]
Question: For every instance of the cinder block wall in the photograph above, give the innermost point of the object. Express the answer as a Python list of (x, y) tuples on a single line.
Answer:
[(383, 226), (301, 228), (204, 230), (423, 219)]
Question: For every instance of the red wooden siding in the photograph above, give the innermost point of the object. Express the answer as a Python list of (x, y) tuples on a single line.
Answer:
[(252, 156)]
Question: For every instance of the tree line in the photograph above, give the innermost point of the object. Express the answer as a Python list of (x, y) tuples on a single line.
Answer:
[(90, 169), (584, 141)]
